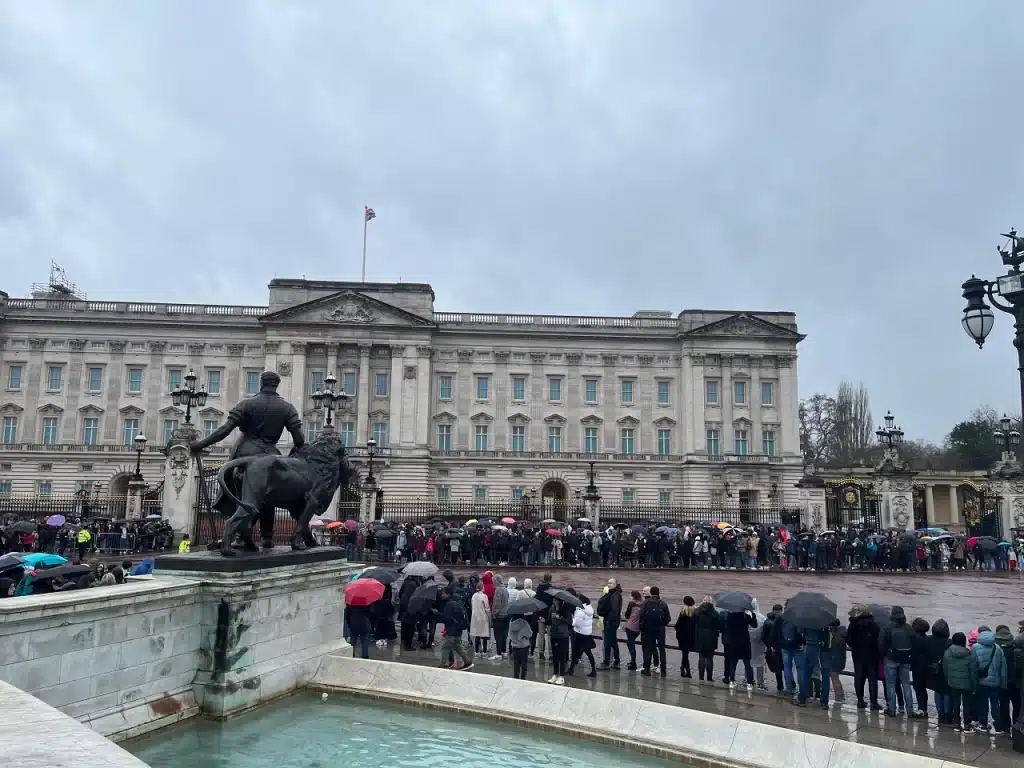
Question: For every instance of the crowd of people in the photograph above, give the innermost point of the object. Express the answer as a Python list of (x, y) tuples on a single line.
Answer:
[(973, 678), (39, 573), (85, 536), (708, 545)]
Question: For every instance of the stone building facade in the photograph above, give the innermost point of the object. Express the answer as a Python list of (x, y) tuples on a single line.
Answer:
[(697, 408)]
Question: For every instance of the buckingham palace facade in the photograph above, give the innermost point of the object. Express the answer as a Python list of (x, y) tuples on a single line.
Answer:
[(695, 408)]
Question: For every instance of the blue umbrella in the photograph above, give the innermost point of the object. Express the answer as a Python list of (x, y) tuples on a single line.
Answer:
[(43, 560)]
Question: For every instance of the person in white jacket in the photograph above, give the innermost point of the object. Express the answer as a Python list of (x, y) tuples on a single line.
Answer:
[(583, 637), (757, 647)]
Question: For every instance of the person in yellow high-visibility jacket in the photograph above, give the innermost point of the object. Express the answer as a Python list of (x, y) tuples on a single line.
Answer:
[(84, 540), (185, 545)]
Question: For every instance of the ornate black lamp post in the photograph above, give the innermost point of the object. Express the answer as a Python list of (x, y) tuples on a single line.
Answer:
[(326, 398), (1006, 437), (890, 435), (371, 451), (188, 396), (978, 318), (140, 446)]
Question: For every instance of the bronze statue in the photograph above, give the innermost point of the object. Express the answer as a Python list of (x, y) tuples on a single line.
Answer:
[(262, 420), (302, 483)]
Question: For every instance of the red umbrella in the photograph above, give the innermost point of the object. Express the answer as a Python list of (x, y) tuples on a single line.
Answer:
[(553, 532), (351, 525), (363, 592)]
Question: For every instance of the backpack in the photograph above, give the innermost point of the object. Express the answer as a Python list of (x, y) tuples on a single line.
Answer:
[(900, 642), (602, 606), (790, 635), (650, 614)]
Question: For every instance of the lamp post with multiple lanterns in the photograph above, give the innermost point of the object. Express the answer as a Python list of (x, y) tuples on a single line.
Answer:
[(890, 435), (326, 398), (1006, 437), (188, 396)]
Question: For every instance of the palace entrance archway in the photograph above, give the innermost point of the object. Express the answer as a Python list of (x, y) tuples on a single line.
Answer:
[(554, 500)]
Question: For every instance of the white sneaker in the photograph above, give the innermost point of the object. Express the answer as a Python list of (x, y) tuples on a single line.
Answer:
[(495, 657), (553, 678), (732, 685), (749, 687), (560, 680)]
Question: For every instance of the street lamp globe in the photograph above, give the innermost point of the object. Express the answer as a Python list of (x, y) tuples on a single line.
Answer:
[(371, 446), (978, 318), (140, 443)]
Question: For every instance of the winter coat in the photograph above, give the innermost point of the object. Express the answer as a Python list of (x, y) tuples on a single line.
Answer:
[(838, 649), (654, 615), (519, 633), (1005, 641), (736, 634), (862, 638), (897, 638), (499, 603), (453, 616), (480, 621), (488, 580), (991, 662), (609, 606), (757, 647), (358, 617), (707, 628), (583, 620), (633, 615), (1018, 658), (560, 622), (686, 629), (960, 668), (935, 646)]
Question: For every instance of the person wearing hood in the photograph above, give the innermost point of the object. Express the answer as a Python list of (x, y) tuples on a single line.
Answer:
[(453, 616), (772, 647), (736, 643), (836, 659), (991, 680), (488, 582), (520, 634), (654, 617), (758, 650), (686, 634), (499, 604), (407, 620), (513, 592), (1009, 697), (707, 627), (919, 665), (895, 646), (935, 646), (609, 608), (862, 636), (960, 670), (583, 636)]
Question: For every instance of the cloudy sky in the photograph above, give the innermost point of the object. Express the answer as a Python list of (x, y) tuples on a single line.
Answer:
[(853, 162)]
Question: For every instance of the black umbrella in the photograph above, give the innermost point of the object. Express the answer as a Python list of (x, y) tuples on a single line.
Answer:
[(383, 533), (24, 526), (423, 598), (881, 613), (565, 597), (524, 606), (810, 610), (637, 527), (68, 571), (734, 602), (988, 544), (485, 523), (10, 560), (383, 575)]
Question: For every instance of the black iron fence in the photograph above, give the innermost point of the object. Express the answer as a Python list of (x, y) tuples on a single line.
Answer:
[(71, 506)]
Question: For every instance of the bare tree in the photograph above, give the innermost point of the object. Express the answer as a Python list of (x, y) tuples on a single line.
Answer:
[(854, 427), (817, 430)]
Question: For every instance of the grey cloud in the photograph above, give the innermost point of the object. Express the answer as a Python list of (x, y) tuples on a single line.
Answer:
[(853, 162)]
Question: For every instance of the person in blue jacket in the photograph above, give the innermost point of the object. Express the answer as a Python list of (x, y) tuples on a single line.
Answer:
[(992, 678)]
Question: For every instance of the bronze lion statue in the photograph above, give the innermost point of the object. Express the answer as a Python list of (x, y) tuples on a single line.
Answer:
[(303, 483)]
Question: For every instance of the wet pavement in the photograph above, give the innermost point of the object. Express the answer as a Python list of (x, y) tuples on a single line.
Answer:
[(923, 737), (963, 599)]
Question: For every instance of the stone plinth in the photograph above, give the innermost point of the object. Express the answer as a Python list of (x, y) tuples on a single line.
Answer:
[(812, 503), (266, 620), (119, 659)]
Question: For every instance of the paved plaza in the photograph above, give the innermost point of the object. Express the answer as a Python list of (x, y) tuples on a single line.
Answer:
[(964, 600)]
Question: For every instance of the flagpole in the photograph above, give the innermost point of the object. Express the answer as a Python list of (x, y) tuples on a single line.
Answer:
[(366, 220)]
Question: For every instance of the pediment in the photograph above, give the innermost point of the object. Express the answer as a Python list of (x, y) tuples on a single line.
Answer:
[(90, 409), (665, 421), (131, 410), (742, 422), (11, 408), (482, 417), (746, 324), (50, 408), (211, 412), (445, 417), (554, 418), (628, 421), (346, 308), (379, 413), (171, 410), (519, 418), (592, 421)]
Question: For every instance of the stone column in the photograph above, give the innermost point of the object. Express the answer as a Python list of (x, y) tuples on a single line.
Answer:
[(954, 506), (181, 477), (593, 507), (929, 504), (1007, 482), (424, 387), (136, 490), (363, 396), (332, 360), (368, 510), (396, 384), (897, 500), (300, 392)]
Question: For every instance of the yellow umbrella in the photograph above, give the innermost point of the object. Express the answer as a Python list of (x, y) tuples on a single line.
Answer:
[(471, 522), (723, 526)]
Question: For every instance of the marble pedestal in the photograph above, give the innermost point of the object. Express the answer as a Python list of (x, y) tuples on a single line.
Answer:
[(266, 621)]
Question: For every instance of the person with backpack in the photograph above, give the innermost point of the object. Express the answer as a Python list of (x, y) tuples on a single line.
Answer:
[(834, 658), (919, 665), (791, 640), (862, 639), (1009, 697), (992, 679), (707, 626), (895, 646), (935, 646), (654, 617), (772, 645), (453, 616)]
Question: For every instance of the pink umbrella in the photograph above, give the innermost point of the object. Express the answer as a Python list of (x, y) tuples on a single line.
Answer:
[(351, 525), (553, 532), (508, 521)]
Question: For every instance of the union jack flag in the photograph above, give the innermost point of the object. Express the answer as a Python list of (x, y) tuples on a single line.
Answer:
[(370, 213)]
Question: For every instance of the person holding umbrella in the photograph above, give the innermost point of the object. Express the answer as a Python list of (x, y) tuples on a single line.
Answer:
[(359, 596), (520, 631)]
